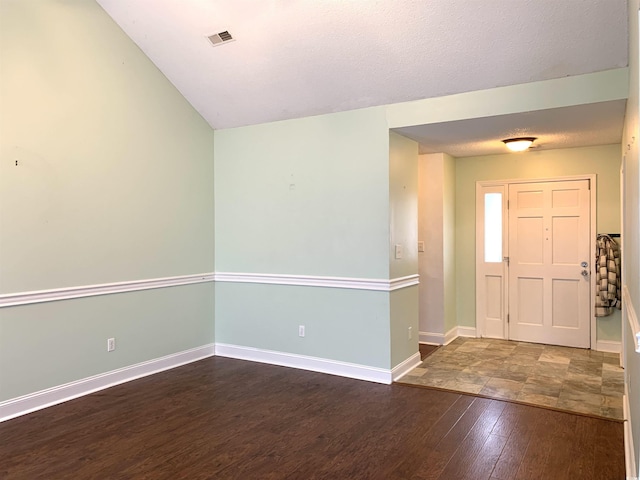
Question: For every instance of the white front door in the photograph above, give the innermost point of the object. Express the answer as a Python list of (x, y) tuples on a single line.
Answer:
[(548, 242)]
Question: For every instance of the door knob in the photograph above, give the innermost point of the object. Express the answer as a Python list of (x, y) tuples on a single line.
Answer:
[(584, 273), (584, 264)]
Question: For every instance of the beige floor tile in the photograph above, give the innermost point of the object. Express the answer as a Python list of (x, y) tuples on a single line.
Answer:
[(611, 401), (593, 399), (548, 369), (500, 393), (554, 357), (543, 389), (416, 372), (463, 387), (578, 406), (572, 379), (537, 399)]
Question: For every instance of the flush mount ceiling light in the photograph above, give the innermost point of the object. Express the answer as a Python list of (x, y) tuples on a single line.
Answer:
[(519, 144)]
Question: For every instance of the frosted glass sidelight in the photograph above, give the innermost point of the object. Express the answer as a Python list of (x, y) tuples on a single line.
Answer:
[(493, 227)]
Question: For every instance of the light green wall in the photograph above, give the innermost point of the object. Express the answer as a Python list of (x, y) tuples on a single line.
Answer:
[(604, 161), (631, 244), (526, 97), (403, 205), (431, 261), (404, 314), (449, 241), (631, 152), (340, 324), (114, 182), (306, 196), (48, 344), (403, 208)]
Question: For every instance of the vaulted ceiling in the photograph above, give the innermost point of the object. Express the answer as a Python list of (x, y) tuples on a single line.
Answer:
[(295, 58)]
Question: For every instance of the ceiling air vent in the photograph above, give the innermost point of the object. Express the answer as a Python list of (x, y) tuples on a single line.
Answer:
[(220, 38)]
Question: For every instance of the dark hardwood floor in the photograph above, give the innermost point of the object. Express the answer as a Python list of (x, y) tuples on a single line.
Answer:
[(229, 419), (426, 350)]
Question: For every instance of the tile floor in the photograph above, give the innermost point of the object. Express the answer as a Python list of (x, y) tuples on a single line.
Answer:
[(570, 379)]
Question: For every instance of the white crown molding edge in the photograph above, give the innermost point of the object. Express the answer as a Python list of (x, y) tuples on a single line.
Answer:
[(304, 362), (632, 318), (629, 451), (406, 366), (39, 296), (320, 281), (32, 402), (67, 293)]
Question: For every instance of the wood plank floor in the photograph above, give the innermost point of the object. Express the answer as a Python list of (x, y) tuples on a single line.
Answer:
[(229, 419)]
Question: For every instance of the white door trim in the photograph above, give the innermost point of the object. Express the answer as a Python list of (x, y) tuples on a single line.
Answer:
[(592, 228)]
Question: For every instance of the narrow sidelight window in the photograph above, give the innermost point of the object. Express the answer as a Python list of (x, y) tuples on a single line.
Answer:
[(492, 227)]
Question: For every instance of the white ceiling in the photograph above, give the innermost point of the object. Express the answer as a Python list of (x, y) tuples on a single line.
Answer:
[(578, 126), (295, 58)]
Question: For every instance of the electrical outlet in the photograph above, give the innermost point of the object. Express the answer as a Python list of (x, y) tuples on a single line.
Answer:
[(301, 330), (398, 251), (111, 344), (410, 333)]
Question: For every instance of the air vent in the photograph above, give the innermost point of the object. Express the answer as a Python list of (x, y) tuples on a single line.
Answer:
[(220, 38)]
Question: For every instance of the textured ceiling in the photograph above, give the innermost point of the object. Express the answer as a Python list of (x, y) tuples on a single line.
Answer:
[(578, 126), (295, 58)]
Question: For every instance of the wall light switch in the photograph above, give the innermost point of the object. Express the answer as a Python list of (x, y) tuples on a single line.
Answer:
[(420, 246), (398, 251)]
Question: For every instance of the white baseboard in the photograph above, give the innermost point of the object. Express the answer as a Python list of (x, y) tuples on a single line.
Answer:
[(431, 338), (456, 332), (405, 367), (450, 336), (629, 452), (632, 317), (52, 396), (303, 362), (609, 346), (467, 332)]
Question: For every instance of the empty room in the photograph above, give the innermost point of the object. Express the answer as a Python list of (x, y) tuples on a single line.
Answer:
[(319, 239)]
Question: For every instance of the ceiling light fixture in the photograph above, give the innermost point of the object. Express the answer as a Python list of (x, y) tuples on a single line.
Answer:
[(519, 144)]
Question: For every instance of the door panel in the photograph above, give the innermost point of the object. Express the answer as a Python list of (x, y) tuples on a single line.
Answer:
[(549, 237)]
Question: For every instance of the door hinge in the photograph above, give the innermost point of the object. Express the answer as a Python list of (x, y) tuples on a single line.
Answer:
[(508, 318), (506, 259)]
